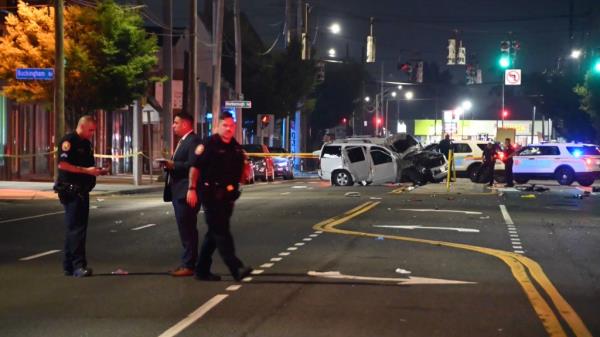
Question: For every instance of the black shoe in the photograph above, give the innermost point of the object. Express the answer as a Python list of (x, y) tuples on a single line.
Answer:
[(82, 272), (208, 277), (242, 273)]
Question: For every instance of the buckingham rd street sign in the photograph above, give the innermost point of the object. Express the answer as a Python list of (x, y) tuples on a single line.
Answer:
[(238, 104), (44, 74)]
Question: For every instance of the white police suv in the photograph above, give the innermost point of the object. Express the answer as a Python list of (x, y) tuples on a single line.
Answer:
[(565, 162)]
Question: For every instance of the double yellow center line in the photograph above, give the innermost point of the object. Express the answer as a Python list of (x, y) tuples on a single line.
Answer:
[(523, 269)]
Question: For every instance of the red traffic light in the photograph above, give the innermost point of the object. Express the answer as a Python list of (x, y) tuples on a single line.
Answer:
[(378, 121), (344, 120), (504, 113)]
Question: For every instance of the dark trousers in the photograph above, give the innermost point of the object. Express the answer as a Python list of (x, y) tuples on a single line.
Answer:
[(77, 210), (186, 218), (487, 170), (508, 172), (218, 236)]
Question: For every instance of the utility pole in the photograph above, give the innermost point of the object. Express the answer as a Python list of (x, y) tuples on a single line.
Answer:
[(533, 124), (193, 83), (238, 69), (218, 14), (168, 71), (288, 22), (377, 121), (59, 80), (137, 141)]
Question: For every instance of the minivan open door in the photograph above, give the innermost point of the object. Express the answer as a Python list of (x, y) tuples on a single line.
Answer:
[(355, 160)]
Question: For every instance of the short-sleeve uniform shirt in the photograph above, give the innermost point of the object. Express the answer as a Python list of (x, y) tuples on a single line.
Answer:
[(79, 152)]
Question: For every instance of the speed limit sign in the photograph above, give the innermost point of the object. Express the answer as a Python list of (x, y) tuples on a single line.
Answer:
[(512, 77)]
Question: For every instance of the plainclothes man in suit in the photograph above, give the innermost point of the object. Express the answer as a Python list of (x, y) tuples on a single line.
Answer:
[(177, 189)]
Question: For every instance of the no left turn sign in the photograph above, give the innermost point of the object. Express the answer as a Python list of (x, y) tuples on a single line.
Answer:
[(512, 77)]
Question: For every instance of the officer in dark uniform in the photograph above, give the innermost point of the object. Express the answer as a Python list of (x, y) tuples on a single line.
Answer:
[(509, 152), (177, 188), (220, 166), (489, 161), (76, 178)]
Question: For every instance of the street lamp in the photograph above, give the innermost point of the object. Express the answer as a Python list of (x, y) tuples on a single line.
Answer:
[(394, 94), (466, 105), (335, 28), (367, 99), (576, 53), (399, 87), (331, 52), (409, 95)]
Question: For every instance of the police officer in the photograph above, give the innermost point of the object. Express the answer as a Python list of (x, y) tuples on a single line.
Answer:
[(76, 178), (509, 152), (489, 161), (177, 188), (220, 167)]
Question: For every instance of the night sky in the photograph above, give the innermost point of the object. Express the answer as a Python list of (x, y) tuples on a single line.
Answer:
[(419, 29)]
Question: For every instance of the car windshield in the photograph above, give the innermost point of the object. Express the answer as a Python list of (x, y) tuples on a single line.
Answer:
[(585, 150), (253, 148)]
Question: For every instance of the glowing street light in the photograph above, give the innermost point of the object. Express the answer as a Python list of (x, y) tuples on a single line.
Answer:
[(466, 105), (331, 52), (335, 28), (399, 87), (576, 53), (394, 94), (367, 99), (409, 95)]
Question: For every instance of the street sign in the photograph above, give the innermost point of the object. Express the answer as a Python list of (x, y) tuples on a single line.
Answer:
[(238, 104), (512, 77), (43, 74)]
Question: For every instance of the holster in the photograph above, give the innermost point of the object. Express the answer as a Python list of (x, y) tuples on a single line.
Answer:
[(67, 192)]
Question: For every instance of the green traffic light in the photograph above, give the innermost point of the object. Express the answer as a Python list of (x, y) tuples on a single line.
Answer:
[(504, 61), (597, 66)]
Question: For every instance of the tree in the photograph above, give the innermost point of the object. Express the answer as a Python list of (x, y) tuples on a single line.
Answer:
[(589, 94), (339, 96), (108, 56)]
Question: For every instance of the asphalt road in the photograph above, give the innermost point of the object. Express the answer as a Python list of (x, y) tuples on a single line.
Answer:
[(390, 262)]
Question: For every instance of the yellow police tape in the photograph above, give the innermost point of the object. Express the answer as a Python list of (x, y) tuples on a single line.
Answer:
[(123, 156), (291, 155)]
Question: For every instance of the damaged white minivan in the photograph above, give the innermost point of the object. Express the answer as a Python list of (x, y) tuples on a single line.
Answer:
[(378, 161)]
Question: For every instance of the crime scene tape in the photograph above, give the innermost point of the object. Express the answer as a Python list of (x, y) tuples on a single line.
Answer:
[(291, 155), (30, 155)]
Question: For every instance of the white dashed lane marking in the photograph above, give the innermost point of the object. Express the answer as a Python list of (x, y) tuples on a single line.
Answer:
[(515, 241), (39, 255)]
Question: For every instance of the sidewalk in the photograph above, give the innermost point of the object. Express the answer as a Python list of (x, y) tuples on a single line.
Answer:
[(26, 190)]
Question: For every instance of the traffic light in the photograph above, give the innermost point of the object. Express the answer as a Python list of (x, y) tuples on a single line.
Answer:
[(344, 120), (264, 121), (504, 61), (596, 66), (504, 114), (378, 121)]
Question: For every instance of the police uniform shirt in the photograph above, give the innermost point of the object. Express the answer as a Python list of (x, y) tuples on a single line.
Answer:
[(76, 151), (489, 155), (508, 151), (220, 164)]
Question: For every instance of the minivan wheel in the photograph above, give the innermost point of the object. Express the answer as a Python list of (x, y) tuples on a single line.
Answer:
[(564, 175), (341, 178)]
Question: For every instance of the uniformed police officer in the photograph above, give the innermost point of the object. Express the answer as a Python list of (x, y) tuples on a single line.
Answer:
[(509, 152), (220, 167), (178, 186), (489, 161), (76, 178)]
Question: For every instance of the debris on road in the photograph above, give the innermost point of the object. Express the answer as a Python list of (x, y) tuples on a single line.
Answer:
[(484, 217), (120, 272), (379, 238), (352, 194), (403, 271), (118, 222), (528, 196), (99, 199)]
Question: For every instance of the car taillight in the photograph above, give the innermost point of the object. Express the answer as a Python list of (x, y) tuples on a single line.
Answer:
[(589, 161)]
